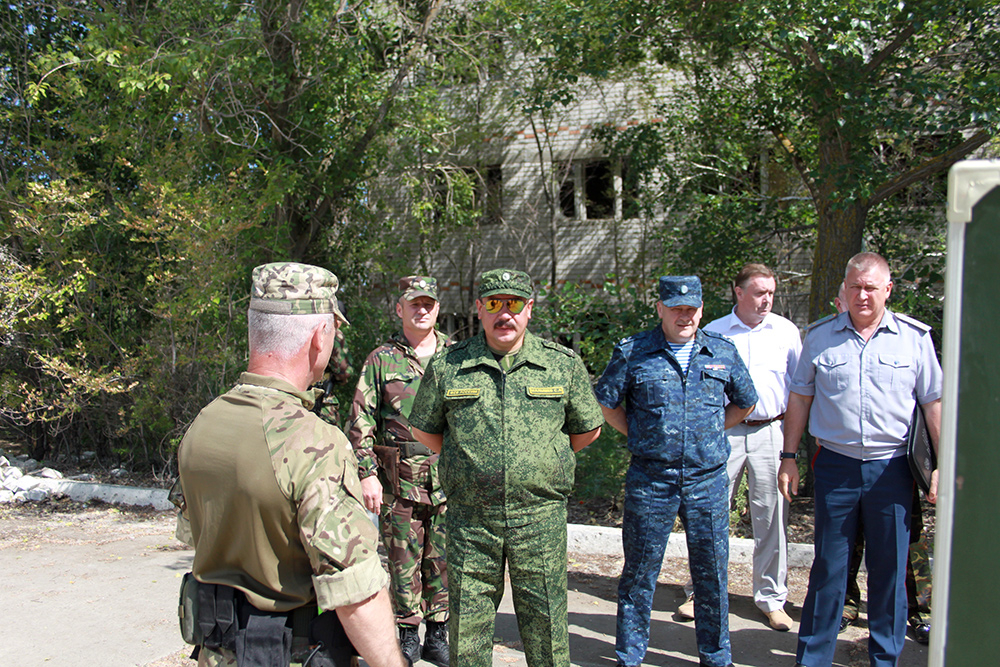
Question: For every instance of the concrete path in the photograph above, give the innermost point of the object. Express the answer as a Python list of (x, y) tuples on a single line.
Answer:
[(99, 587)]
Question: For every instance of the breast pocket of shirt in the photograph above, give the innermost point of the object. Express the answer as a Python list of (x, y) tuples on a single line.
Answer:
[(463, 405), (896, 373), (713, 387), (832, 374), (546, 413), (652, 389), (399, 391)]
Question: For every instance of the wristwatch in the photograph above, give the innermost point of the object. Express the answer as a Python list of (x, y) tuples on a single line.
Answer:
[(789, 455)]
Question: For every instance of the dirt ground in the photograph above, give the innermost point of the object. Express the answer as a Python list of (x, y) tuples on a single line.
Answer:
[(61, 524)]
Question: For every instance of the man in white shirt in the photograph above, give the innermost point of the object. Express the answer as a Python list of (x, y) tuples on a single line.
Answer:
[(769, 345)]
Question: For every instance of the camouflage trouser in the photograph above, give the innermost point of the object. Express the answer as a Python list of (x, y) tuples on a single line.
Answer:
[(918, 582), (216, 658), (535, 555), (414, 538), (654, 496)]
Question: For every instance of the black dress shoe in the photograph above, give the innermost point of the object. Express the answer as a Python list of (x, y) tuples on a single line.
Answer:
[(921, 632), (844, 622)]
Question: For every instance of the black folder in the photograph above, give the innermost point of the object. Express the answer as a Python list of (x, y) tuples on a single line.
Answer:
[(919, 450)]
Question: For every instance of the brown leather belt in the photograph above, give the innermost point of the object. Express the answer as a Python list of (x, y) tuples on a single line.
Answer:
[(761, 422)]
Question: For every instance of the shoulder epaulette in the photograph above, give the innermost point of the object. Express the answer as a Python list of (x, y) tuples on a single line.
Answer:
[(820, 321), (552, 345), (916, 324)]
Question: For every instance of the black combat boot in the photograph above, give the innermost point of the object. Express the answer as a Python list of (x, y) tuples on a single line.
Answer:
[(436, 644), (409, 642)]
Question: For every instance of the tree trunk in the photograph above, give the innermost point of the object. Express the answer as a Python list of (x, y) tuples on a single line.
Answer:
[(839, 236)]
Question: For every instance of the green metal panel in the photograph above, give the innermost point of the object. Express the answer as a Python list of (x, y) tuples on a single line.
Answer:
[(975, 562)]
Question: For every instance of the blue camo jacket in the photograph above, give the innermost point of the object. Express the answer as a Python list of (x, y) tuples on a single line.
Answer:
[(674, 419)]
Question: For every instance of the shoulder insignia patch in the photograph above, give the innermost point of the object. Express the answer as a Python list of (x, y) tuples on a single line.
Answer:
[(460, 344), (916, 324), (470, 392), (820, 321), (546, 392), (559, 348)]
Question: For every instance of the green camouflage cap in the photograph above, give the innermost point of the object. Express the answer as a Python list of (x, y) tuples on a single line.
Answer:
[(289, 288), (505, 281), (411, 287)]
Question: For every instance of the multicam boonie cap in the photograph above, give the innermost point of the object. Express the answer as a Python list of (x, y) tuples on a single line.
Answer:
[(290, 288), (411, 287), (505, 281), (680, 291)]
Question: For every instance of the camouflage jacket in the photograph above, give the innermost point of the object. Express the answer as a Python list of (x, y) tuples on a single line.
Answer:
[(676, 418), (506, 450), (379, 416), (274, 502)]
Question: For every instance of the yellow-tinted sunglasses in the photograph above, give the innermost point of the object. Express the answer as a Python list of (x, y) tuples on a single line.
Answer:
[(493, 305)]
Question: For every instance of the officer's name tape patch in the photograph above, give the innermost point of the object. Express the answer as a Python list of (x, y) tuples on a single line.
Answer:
[(715, 367), (471, 392), (546, 392)]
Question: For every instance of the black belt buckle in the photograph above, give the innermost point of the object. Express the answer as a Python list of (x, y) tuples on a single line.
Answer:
[(411, 449)]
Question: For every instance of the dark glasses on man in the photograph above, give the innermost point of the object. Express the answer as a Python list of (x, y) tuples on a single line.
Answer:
[(494, 305)]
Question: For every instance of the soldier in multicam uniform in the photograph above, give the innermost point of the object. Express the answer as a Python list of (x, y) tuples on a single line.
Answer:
[(665, 389), (389, 460), (507, 410), (273, 500)]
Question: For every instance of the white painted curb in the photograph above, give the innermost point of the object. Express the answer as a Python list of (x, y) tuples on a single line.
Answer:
[(109, 493), (604, 541), (584, 540)]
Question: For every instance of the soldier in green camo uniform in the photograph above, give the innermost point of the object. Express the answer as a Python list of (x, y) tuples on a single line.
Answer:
[(399, 476), (507, 410), (272, 499)]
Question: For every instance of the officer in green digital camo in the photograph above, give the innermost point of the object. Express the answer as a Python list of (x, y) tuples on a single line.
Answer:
[(273, 501), (507, 410), (400, 476)]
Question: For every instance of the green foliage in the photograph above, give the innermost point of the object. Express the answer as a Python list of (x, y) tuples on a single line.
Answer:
[(861, 101), (152, 156), (592, 321), (601, 467)]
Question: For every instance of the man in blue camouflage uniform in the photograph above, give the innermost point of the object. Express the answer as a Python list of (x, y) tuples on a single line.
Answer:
[(665, 389), (506, 410)]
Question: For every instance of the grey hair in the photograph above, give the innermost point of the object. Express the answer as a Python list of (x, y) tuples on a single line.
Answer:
[(283, 335), (865, 261)]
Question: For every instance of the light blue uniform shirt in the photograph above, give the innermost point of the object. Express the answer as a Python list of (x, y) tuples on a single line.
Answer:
[(864, 393)]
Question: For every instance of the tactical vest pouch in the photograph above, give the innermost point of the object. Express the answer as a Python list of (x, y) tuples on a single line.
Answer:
[(333, 648), (217, 616), (187, 610), (264, 638)]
